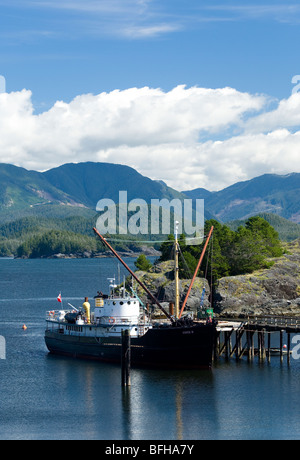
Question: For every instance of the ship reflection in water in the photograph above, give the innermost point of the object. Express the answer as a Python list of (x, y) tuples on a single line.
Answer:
[(168, 405), (158, 404)]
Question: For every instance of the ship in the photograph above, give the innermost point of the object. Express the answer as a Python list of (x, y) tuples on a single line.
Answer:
[(178, 342)]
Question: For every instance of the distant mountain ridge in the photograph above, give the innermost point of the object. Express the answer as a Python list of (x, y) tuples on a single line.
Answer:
[(75, 188), (89, 182), (72, 188), (269, 193), (20, 188)]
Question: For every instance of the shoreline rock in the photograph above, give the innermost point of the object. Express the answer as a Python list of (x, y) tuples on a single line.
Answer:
[(149, 252), (160, 281), (273, 291)]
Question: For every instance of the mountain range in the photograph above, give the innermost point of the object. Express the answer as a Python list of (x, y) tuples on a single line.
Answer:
[(74, 190), (269, 193)]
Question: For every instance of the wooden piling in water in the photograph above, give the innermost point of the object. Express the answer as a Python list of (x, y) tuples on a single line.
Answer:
[(263, 348), (250, 345), (126, 358), (227, 344), (281, 345), (216, 352), (256, 329), (237, 344), (259, 345)]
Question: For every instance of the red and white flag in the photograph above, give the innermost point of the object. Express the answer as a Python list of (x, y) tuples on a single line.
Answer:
[(59, 298)]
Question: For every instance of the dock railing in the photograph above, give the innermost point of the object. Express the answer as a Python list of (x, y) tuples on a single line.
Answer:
[(276, 321), (259, 328), (267, 320)]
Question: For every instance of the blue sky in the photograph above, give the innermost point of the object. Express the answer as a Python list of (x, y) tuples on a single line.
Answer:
[(60, 50)]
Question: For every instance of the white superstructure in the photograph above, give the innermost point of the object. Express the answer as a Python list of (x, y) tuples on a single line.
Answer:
[(112, 314)]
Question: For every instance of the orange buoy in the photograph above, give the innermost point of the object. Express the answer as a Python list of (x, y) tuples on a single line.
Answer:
[(24, 327)]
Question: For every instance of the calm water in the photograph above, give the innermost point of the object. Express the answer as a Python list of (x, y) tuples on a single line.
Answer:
[(46, 397)]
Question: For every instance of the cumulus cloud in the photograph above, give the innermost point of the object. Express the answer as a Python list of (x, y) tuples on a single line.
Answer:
[(285, 115), (188, 137)]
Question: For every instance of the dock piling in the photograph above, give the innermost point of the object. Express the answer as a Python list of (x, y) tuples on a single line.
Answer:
[(126, 358), (288, 347), (246, 331), (269, 347), (281, 345)]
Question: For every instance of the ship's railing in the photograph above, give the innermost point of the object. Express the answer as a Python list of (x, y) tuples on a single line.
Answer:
[(59, 315), (116, 320), (56, 315), (119, 297), (104, 321)]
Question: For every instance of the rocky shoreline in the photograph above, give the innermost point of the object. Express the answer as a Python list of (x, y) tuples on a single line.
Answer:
[(272, 291), (160, 280), (149, 252)]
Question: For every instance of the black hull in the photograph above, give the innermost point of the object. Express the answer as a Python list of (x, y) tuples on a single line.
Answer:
[(170, 347)]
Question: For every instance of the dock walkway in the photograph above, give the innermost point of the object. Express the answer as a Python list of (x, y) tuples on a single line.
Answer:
[(250, 335)]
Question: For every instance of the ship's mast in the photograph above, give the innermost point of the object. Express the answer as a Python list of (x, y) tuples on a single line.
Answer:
[(133, 275), (196, 271), (176, 272)]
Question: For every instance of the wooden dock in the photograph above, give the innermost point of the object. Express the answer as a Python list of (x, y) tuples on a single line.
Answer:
[(253, 337)]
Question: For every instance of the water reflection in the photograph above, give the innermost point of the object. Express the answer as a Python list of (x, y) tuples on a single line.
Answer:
[(178, 405), (168, 405)]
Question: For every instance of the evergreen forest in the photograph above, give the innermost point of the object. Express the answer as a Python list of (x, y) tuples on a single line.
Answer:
[(230, 252)]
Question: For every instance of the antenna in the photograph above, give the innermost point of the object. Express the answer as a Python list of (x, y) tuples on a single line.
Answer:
[(176, 229), (112, 284)]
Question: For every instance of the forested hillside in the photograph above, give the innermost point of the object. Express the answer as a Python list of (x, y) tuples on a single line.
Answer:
[(33, 237), (287, 230), (250, 247), (54, 211)]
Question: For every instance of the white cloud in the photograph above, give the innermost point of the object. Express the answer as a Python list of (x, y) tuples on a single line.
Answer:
[(137, 19), (281, 12), (149, 31), (93, 6), (130, 19), (161, 134), (285, 115)]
